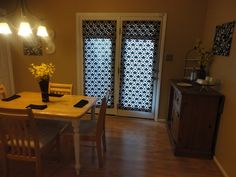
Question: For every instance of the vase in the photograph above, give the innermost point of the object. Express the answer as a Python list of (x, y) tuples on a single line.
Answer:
[(202, 72), (43, 83)]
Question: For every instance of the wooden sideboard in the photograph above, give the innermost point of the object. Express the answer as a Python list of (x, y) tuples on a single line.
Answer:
[(193, 119)]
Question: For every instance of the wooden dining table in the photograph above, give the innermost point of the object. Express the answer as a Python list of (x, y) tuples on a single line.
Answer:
[(58, 108)]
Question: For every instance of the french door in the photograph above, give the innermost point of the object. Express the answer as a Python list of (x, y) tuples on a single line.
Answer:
[(121, 53)]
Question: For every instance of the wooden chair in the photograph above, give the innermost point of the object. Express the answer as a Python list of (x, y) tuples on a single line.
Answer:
[(2, 91), (58, 88), (22, 139), (94, 131)]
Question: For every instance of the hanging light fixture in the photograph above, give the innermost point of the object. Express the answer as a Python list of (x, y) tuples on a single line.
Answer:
[(25, 28), (4, 28)]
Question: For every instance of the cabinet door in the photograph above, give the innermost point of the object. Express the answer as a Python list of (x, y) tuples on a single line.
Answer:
[(198, 125), (204, 126)]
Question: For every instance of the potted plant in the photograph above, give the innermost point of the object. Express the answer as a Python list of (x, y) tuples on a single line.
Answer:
[(206, 58)]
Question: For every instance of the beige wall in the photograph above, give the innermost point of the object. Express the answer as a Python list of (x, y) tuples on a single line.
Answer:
[(185, 24), (224, 68)]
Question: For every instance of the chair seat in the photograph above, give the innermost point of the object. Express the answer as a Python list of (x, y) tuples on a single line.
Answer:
[(46, 133), (52, 123), (87, 127)]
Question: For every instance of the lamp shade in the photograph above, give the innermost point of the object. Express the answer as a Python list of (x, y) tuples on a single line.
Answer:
[(4, 28), (42, 31), (24, 29)]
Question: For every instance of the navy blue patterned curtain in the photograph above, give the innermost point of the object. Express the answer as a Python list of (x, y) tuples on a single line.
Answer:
[(139, 63), (99, 58)]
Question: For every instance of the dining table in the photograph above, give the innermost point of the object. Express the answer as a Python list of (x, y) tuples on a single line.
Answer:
[(58, 108)]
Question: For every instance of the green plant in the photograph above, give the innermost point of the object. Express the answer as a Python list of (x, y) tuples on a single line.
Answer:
[(206, 56)]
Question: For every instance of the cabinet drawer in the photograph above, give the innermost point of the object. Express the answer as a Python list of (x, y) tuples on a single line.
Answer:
[(177, 100), (175, 123)]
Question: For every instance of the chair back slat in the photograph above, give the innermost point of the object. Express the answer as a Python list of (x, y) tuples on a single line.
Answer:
[(18, 132), (107, 96), (2, 91), (15, 131), (27, 151), (57, 88)]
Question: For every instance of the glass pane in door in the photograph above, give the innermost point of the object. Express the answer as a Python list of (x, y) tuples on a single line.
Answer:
[(138, 64)]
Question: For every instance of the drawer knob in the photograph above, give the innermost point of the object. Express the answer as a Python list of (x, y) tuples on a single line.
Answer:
[(178, 115), (177, 99)]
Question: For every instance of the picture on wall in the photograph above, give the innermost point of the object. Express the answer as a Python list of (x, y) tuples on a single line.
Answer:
[(223, 39), (32, 47)]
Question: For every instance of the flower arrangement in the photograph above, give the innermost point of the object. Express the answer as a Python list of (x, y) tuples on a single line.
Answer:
[(205, 55), (43, 71)]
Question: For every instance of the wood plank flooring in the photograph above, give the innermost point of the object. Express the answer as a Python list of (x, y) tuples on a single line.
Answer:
[(135, 148)]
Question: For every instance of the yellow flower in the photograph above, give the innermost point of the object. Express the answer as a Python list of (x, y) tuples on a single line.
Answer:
[(43, 71)]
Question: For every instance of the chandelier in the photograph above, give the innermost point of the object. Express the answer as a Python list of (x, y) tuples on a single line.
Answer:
[(28, 25)]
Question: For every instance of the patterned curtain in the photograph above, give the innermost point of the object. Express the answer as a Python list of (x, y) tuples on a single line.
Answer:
[(99, 58), (139, 63)]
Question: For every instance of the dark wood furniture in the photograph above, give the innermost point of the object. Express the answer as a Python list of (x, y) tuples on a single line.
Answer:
[(193, 119)]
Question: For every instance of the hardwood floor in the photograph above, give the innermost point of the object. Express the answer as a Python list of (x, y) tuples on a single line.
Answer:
[(135, 148)]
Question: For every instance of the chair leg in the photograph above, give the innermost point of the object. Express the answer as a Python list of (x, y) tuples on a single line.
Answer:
[(104, 142), (5, 167), (93, 149), (99, 153), (39, 171), (63, 139), (58, 148)]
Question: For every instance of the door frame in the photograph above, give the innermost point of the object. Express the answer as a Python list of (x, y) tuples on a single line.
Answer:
[(118, 16)]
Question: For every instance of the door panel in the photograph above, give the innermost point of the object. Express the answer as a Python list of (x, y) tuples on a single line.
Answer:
[(138, 65), (136, 76), (99, 59)]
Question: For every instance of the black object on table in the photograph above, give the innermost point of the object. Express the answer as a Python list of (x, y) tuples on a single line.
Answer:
[(11, 98), (81, 103), (34, 106)]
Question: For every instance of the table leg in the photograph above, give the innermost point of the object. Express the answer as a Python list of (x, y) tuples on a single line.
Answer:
[(75, 124), (93, 112)]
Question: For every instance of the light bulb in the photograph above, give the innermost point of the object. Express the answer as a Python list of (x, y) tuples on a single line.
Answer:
[(42, 31), (4, 28), (24, 29)]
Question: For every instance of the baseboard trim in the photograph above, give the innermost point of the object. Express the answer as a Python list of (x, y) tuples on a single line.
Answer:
[(220, 167), (162, 120)]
